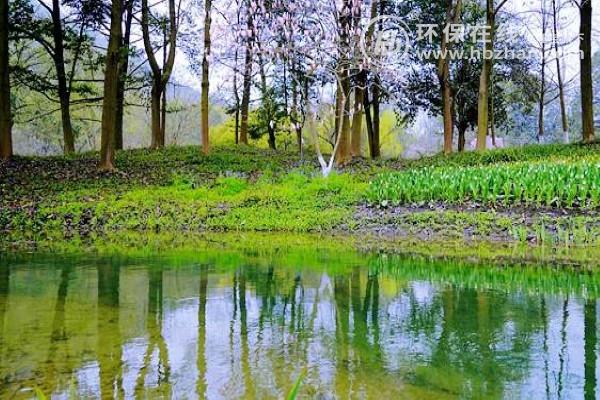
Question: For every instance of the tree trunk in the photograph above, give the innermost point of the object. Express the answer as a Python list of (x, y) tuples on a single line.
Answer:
[(123, 77), (369, 122), (163, 116), (111, 83), (376, 151), (372, 131), (357, 118), (294, 116), (443, 73), (462, 129), (542, 94), (205, 77), (585, 50), (265, 94), (541, 116), (61, 77), (493, 121), (484, 80), (155, 95), (160, 77), (447, 110), (342, 155), (561, 89), (246, 88), (237, 99), (6, 149)]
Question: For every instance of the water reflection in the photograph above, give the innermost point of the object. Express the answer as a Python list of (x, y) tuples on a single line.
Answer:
[(144, 329)]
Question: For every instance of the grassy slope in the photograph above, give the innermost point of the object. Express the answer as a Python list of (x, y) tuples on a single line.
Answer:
[(243, 189)]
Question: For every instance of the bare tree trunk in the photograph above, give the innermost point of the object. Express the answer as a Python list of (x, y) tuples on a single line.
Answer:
[(585, 49), (462, 129), (369, 121), (155, 98), (357, 118), (447, 109), (343, 107), (542, 94), (343, 150), (6, 149), (61, 77), (295, 119), (247, 85), (376, 151), (111, 83), (236, 94), (123, 77), (541, 112), (160, 77), (372, 135), (359, 90), (265, 93), (484, 79), (205, 77), (561, 88), (443, 73), (493, 120), (163, 115)]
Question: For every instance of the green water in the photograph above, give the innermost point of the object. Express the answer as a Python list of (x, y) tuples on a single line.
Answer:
[(245, 323)]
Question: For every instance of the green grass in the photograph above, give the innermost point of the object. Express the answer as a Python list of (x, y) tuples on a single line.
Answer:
[(561, 183), (246, 189)]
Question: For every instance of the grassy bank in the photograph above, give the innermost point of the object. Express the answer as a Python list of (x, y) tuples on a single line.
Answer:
[(544, 195)]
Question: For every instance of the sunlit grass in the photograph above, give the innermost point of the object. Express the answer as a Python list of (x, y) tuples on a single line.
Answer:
[(556, 184)]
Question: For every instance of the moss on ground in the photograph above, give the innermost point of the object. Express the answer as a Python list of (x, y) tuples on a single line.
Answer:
[(176, 191)]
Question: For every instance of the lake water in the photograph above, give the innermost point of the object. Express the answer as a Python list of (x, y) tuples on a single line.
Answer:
[(246, 323)]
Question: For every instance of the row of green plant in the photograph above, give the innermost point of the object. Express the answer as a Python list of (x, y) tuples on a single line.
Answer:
[(556, 184), (550, 152)]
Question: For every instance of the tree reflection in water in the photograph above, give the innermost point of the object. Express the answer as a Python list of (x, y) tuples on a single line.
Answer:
[(369, 330)]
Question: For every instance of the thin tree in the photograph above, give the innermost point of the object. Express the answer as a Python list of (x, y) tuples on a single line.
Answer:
[(6, 149), (111, 87), (126, 42), (585, 51), (247, 78), (160, 77), (205, 76), (58, 57), (371, 98), (343, 102), (359, 96), (560, 83), (443, 73), (486, 70)]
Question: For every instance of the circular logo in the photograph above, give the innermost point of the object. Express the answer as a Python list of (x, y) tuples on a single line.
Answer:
[(385, 41)]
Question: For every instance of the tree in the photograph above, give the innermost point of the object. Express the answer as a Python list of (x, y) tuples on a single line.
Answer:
[(342, 155), (205, 75), (64, 43), (160, 77), (123, 77), (111, 87), (371, 98), (559, 73), (61, 74), (585, 50), (486, 70), (443, 14), (6, 149), (247, 78)]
